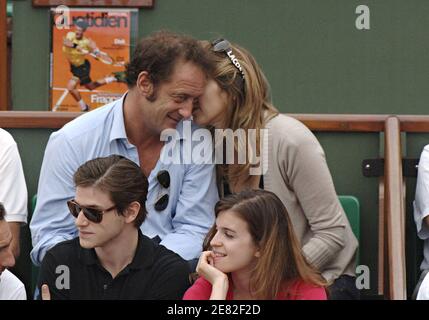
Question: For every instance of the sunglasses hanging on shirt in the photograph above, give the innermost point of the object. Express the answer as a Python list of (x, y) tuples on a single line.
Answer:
[(163, 178)]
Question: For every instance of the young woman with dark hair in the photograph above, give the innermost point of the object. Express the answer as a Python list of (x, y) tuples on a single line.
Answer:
[(252, 253)]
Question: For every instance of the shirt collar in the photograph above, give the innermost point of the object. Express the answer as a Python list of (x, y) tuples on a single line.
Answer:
[(143, 257), (184, 127), (87, 256), (118, 123), (144, 253)]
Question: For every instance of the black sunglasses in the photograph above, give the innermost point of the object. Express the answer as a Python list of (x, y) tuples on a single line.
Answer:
[(93, 215), (163, 178), (222, 45)]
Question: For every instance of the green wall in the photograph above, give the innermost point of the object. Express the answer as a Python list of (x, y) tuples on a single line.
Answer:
[(315, 58), (316, 61)]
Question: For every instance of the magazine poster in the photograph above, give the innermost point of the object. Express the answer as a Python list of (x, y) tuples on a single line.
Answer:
[(88, 57)]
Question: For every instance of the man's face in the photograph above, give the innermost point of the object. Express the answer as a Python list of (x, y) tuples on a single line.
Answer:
[(91, 234), (79, 33), (7, 260), (175, 99)]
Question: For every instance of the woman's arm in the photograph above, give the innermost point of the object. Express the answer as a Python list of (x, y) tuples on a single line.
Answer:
[(307, 173), (217, 278)]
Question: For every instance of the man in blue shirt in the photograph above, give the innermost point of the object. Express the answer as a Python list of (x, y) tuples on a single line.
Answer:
[(166, 76)]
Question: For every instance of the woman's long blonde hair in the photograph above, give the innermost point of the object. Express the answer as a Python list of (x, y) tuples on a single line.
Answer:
[(249, 105)]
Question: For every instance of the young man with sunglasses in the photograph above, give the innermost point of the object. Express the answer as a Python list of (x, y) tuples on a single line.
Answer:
[(166, 77), (111, 258)]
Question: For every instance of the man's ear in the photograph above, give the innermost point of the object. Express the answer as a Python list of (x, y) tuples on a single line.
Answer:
[(144, 84), (132, 212)]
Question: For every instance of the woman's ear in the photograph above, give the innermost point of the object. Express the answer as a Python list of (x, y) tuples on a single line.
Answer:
[(144, 84), (132, 212), (258, 254)]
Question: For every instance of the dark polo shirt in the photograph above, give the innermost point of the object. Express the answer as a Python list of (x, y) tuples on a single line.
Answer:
[(155, 273)]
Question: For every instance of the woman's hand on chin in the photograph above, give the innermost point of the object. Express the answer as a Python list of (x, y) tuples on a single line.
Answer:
[(217, 278)]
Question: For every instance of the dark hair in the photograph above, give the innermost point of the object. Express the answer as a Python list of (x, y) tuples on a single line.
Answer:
[(118, 176), (281, 261), (82, 24), (2, 211), (158, 53)]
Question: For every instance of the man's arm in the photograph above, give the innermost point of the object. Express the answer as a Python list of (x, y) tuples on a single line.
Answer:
[(305, 167), (15, 228), (170, 281), (87, 47), (194, 211), (426, 220), (421, 203), (92, 46), (13, 191), (68, 40), (51, 222), (68, 43), (48, 276)]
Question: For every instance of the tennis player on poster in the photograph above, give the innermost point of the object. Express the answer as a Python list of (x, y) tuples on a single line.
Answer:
[(76, 47)]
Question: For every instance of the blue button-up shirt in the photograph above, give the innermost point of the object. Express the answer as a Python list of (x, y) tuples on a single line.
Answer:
[(181, 227)]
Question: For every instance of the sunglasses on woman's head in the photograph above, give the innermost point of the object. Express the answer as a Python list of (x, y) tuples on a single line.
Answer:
[(222, 45), (163, 178), (93, 215)]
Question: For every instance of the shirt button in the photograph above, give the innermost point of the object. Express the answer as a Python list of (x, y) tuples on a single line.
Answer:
[(105, 287)]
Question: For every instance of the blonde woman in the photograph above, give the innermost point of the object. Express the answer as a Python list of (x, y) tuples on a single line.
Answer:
[(238, 97)]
